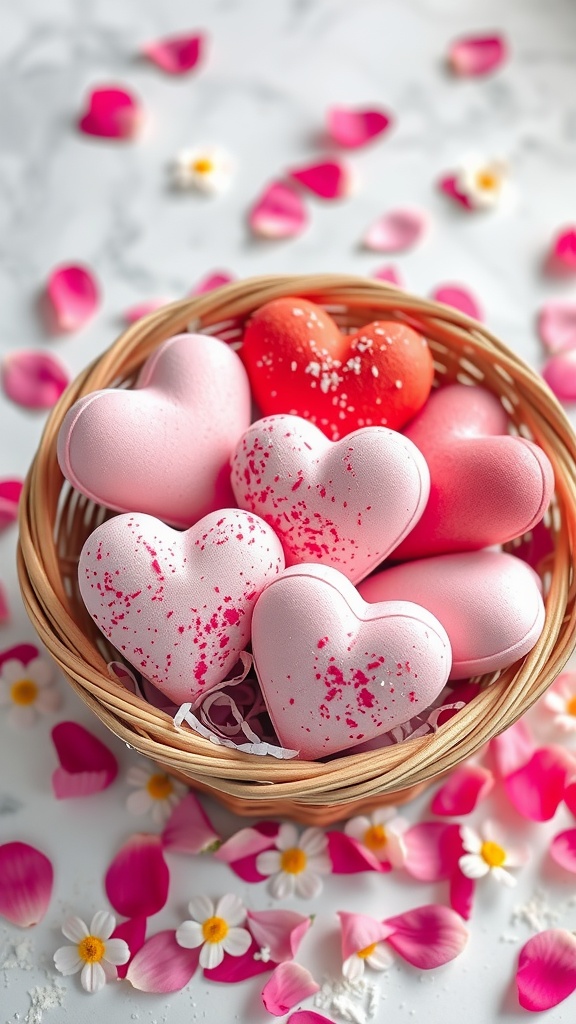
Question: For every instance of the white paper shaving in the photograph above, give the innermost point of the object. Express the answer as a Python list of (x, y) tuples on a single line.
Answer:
[(353, 1001), (184, 714)]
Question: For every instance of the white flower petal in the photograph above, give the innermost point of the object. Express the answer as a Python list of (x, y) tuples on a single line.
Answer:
[(555, 702), (237, 941), (308, 885), (473, 866), (190, 935), (282, 885), (67, 961), (102, 924), (12, 671), (139, 802), (353, 968), (49, 700), (137, 775), (5, 697), (357, 827), (313, 841), (93, 977), (383, 815), (211, 954), (269, 862), (501, 875), (110, 970), (381, 958), (200, 908), (161, 811), (395, 850), (321, 864), (117, 951), (22, 717), (287, 837), (231, 908), (40, 671), (75, 929), (471, 841), (517, 857)]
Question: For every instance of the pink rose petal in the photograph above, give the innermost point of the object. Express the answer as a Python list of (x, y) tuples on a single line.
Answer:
[(278, 213), (19, 652), (512, 749), (307, 1017), (239, 968), (135, 313), (112, 112), (557, 325), (462, 890), (34, 379), (215, 279), (281, 930), (354, 128), (560, 375), (4, 606), (431, 850), (546, 969), (138, 878), (290, 984), (74, 296), (87, 766), (329, 179), (427, 937), (570, 797), (460, 298), (177, 54), (390, 274), (563, 849), (10, 491), (449, 186), (242, 849), (188, 829), (133, 932), (396, 231), (161, 965), (360, 931), (561, 258), (471, 56), (26, 879), (462, 791), (537, 788), (349, 856)]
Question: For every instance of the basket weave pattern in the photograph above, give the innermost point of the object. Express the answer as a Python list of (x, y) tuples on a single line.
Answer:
[(55, 521)]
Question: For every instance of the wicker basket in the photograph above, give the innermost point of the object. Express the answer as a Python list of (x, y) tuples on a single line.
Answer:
[(55, 520)]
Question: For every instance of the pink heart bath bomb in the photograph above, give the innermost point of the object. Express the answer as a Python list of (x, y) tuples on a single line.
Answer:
[(179, 606), (346, 503), (164, 446), (335, 671)]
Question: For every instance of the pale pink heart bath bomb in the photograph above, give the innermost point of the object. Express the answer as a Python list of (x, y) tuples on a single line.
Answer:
[(164, 446), (345, 503), (335, 671), (178, 606)]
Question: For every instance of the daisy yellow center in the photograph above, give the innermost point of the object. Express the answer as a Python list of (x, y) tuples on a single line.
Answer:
[(366, 952), (493, 854), (375, 838), (293, 861), (571, 706), (202, 165), (24, 692), (214, 929), (487, 181), (159, 786), (91, 949)]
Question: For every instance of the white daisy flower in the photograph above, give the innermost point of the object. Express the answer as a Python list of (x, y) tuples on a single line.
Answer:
[(94, 952), (215, 929), (296, 865), (483, 182), (561, 701), (376, 955), (486, 855), (156, 793), (381, 833), (208, 169), (28, 690)]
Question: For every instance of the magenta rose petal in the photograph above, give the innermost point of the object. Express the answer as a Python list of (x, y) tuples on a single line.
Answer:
[(281, 931), (138, 878), (349, 856), (561, 259), (354, 128), (431, 850), (26, 879), (112, 112), (289, 984), (188, 829), (390, 274), (328, 179), (396, 231), (448, 184), (161, 965), (546, 972), (278, 213), (34, 379), (133, 931), (512, 749), (462, 791), (4, 606), (242, 849), (460, 298), (135, 313), (462, 890), (215, 279), (472, 56), (537, 788), (238, 968), (74, 296), (557, 326), (10, 491), (560, 375), (87, 766), (570, 798), (176, 55), (427, 937), (307, 1017), (563, 849)]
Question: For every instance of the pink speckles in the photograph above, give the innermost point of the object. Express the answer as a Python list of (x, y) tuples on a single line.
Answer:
[(412, 697), (366, 699), (200, 671), (156, 568), (322, 643), (231, 616)]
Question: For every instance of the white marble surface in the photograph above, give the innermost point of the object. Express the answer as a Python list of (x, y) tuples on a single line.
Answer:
[(274, 67)]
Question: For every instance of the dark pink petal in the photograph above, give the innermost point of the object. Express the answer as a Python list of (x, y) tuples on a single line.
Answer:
[(278, 213), (512, 749), (86, 765), (10, 491), (188, 829), (449, 186), (427, 937), (34, 379), (546, 969), (358, 931), (242, 849), (238, 968), (4, 606), (307, 1017), (26, 878), (177, 54), (74, 296), (477, 55), (111, 113), (561, 258), (349, 856), (354, 128), (563, 849), (138, 877), (390, 274), (133, 932), (462, 791), (20, 652), (570, 797), (537, 789), (161, 965), (396, 231), (460, 298), (329, 179), (560, 375), (462, 891), (135, 313), (215, 279), (431, 850), (281, 930), (557, 325), (290, 984)]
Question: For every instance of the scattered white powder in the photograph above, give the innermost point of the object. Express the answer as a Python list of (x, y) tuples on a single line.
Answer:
[(18, 955), (536, 913), (353, 1001), (49, 997)]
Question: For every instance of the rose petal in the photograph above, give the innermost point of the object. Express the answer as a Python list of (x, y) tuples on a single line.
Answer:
[(560, 375), (546, 969), (537, 788), (557, 326), (460, 298), (242, 849), (26, 879), (133, 932), (289, 984), (390, 274), (4, 606), (329, 179), (360, 931), (349, 856), (138, 877), (463, 790), (135, 313), (427, 937), (512, 749), (177, 54), (278, 213), (112, 112), (354, 128), (561, 258), (570, 797), (462, 890), (10, 491), (161, 965), (215, 279), (73, 294), (281, 931), (477, 55), (432, 850), (24, 653), (307, 1017), (563, 849), (448, 184), (34, 379), (87, 766), (396, 231), (237, 968), (188, 829)]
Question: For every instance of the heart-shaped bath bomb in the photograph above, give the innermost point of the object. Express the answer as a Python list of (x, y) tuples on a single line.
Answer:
[(164, 446), (486, 487), (488, 602), (178, 606), (300, 363), (335, 671), (345, 503)]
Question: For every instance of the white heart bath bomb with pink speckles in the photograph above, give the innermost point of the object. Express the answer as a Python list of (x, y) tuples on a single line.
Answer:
[(336, 671), (178, 606)]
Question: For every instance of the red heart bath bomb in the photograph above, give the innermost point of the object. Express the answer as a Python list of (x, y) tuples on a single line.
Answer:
[(345, 503), (179, 605), (300, 363), (335, 671), (164, 446)]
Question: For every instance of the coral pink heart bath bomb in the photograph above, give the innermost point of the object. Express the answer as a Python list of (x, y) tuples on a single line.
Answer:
[(178, 606), (164, 446), (345, 503), (335, 671)]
